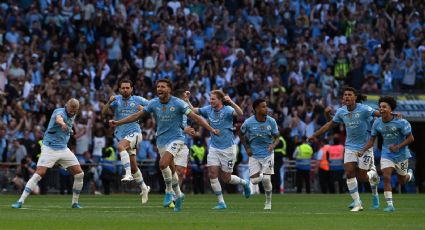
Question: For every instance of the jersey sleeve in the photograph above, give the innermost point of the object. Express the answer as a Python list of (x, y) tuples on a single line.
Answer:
[(114, 104), (142, 101), (275, 130), (369, 110), (149, 107), (203, 111), (337, 118), (231, 112), (60, 113), (244, 128), (406, 128), (374, 131)]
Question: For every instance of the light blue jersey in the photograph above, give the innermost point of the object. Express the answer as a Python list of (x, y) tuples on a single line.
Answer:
[(124, 108), (259, 135), (222, 120), (169, 119), (357, 125), (54, 137), (393, 132)]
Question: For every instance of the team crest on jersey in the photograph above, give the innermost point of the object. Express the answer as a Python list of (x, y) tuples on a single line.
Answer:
[(269, 127), (172, 108), (132, 104)]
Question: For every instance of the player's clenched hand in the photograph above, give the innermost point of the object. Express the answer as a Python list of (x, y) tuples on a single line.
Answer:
[(112, 123), (393, 148), (140, 108), (64, 127), (111, 99), (360, 154), (311, 139), (249, 152), (227, 99), (216, 132), (270, 148), (190, 131)]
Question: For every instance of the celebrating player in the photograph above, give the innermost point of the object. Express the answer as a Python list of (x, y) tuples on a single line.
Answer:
[(257, 134), (357, 118), (55, 150), (396, 134), (168, 111), (222, 149), (129, 135)]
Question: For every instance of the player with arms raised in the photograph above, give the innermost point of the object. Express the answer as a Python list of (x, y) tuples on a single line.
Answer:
[(357, 119), (168, 111)]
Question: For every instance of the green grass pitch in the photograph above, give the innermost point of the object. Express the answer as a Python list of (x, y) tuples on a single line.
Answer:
[(290, 211)]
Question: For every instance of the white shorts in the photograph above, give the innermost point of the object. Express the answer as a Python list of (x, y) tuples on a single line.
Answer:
[(225, 158), (179, 151), (49, 157), (134, 139), (400, 167), (264, 165), (365, 162)]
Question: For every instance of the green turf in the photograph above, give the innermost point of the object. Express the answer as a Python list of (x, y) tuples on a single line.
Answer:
[(290, 211)]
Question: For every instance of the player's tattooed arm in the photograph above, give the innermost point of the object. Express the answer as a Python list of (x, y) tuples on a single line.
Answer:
[(132, 118), (107, 106), (236, 107)]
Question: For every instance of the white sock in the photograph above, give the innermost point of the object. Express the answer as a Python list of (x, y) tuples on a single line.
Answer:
[(175, 183), (352, 188), (125, 161), (166, 173), (256, 180), (138, 177), (31, 184), (216, 187), (410, 176), (237, 180), (374, 187), (388, 197), (76, 188), (267, 184)]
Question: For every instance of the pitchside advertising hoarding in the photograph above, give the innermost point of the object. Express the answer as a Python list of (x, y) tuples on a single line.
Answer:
[(412, 107)]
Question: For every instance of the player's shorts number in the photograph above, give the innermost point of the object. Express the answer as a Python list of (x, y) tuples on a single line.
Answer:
[(230, 164), (403, 166), (367, 159)]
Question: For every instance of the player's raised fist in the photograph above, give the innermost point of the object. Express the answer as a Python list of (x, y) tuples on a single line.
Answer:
[(112, 123)]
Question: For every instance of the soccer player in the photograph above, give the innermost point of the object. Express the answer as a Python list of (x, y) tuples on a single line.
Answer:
[(257, 134), (55, 150), (181, 164), (222, 150), (168, 111), (129, 135), (396, 134), (357, 118)]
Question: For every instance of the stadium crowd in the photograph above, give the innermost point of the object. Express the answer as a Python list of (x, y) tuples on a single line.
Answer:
[(295, 54)]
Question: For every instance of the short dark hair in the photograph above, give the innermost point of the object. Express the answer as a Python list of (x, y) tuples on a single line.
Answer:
[(389, 100), (166, 81), (179, 93), (360, 97), (125, 80), (257, 102)]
